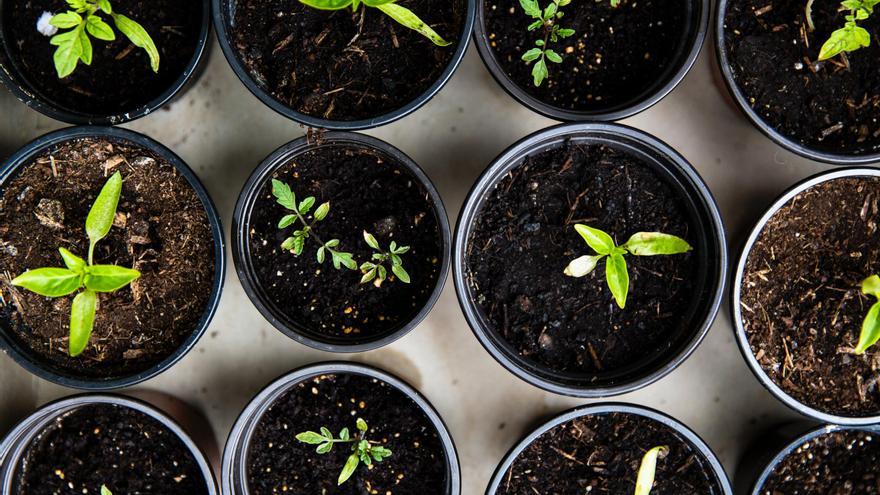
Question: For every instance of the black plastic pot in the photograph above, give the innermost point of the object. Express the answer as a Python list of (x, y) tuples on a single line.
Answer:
[(758, 122), (697, 26), (29, 360), (711, 253), (24, 91), (607, 408), (736, 293), (233, 480), (224, 22), (241, 242), (16, 443)]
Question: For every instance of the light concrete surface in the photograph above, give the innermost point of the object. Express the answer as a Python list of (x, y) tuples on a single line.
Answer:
[(223, 132)]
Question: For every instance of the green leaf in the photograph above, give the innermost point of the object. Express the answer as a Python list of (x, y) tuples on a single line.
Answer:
[(320, 255), (617, 278), (350, 465), (553, 56), (870, 329), (533, 54), (361, 425), (647, 469), (344, 435), (846, 39), (343, 259), (366, 459), (283, 194), (306, 205), (369, 275), (82, 319), (105, 6), (401, 273), (109, 278), (103, 211), (99, 29), (327, 4), (322, 211), (371, 241), (871, 286), (601, 242), (582, 266), (287, 221), (409, 19), (539, 72), (69, 51), (400, 250), (86, 55), (374, 3), (72, 261), (49, 282), (531, 8), (299, 243), (549, 11), (324, 448), (77, 4), (310, 437), (104, 489), (565, 33), (288, 243), (332, 243), (139, 37), (379, 453), (326, 432), (654, 243), (535, 25), (66, 20), (381, 272)]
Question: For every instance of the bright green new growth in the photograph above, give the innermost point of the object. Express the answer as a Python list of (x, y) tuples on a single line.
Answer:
[(59, 282), (546, 19), (640, 244), (871, 325), (84, 19), (362, 449), (400, 14), (648, 468), (851, 36), (105, 490), (375, 270), (296, 243)]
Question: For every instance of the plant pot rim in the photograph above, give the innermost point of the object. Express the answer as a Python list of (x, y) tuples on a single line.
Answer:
[(241, 250), (21, 354), (757, 486), (33, 100), (736, 294), (680, 428), (17, 441), (758, 122), (223, 21), (234, 470), (610, 133), (647, 99)]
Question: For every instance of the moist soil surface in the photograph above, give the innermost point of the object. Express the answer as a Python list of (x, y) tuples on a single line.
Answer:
[(615, 55), (340, 65), (367, 190), (822, 105), (602, 453), (802, 304), (524, 237), (838, 463), (105, 444), (161, 229), (120, 78), (278, 462)]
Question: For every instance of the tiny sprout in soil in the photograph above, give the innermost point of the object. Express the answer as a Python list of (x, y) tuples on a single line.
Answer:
[(84, 19), (547, 21), (105, 490), (851, 36), (640, 244), (296, 242), (648, 468), (871, 325), (400, 14), (375, 270), (58, 282), (363, 450)]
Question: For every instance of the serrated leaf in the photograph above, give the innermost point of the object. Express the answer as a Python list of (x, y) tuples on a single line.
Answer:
[(531, 8), (533, 54), (343, 259), (322, 211), (371, 241), (49, 282), (539, 72), (350, 465), (138, 37), (283, 194), (69, 51), (287, 221), (306, 205), (656, 243), (846, 39), (618, 278), (82, 320), (409, 19), (402, 275), (550, 10), (647, 470), (109, 278), (310, 437), (535, 25)]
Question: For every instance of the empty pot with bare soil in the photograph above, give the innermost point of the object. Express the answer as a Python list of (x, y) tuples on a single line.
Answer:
[(112, 257), (590, 259), (611, 448), (804, 299), (804, 73), (100, 61), (344, 64)]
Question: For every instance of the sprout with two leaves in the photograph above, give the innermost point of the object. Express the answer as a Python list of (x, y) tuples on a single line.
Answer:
[(91, 278), (616, 274), (648, 468), (363, 450), (375, 270), (390, 8)]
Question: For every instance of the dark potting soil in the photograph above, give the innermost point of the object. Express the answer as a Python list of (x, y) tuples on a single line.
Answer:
[(524, 237), (801, 296), (602, 453), (823, 105), (111, 445), (120, 78), (367, 190), (615, 55), (838, 463), (161, 229), (278, 462), (341, 65)]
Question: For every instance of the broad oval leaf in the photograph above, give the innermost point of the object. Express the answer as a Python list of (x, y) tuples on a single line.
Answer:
[(870, 329), (86, 55), (370, 240), (109, 278), (655, 243), (402, 275), (533, 54), (287, 221), (105, 6), (539, 72), (582, 266), (99, 29), (344, 434), (327, 4), (647, 470), (601, 242), (49, 282), (82, 319), (310, 437), (871, 286), (350, 465), (618, 278), (66, 20), (322, 211), (72, 261), (138, 37), (103, 211), (361, 425), (409, 19)]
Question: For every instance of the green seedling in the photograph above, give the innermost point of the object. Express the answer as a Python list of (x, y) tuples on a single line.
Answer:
[(363, 450), (390, 8), (640, 244), (92, 278), (84, 20), (648, 468), (547, 21), (375, 270), (871, 325), (851, 36), (105, 490)]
